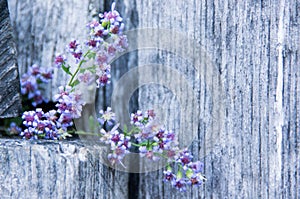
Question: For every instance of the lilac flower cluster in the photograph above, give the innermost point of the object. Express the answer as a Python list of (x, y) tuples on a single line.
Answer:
[(43, 125), (186, 173), (74, 48), (105, 40), (153, 139), (155, 142), (69, 103), (55, 123), (119, 141), (110, 26), (30, 83)]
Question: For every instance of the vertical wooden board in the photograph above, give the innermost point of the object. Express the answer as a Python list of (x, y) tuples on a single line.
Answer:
[(42, 29), (255, 157), (10, 101)]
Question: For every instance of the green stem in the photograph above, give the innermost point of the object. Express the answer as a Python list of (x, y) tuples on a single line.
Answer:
[(78, 68), (161, 155), (134, 144)]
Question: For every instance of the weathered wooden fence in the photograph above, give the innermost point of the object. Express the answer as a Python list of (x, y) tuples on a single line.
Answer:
[(237, 103), (10, 102)]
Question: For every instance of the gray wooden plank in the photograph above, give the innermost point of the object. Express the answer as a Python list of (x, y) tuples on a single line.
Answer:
[(10, 101)]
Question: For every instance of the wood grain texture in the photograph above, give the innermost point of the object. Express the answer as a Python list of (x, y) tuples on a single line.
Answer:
[(10, 102), (255, 47), (49, 169), (44, 28), (247, 132)]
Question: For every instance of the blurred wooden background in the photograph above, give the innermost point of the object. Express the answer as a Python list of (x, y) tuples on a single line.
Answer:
[(246, 112)]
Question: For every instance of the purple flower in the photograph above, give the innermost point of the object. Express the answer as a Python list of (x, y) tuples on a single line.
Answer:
[(111, 50), (102, 58), (14, 129), (179, 184), (30, 83), (34, 70), (40, 124), (194, 180), (184, 158), (119, 143), (73, 46), (59, 60), (197, 166), (29, 117), (169, 176), (86, 77), (136, 118), (103, 80), (148, 153), (74, 49), (113, 16), (121, 43), (107, 116), (45, 74), (27, 133), (65, 120)]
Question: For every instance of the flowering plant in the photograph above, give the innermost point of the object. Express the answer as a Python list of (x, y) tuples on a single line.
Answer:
[(92, 60)]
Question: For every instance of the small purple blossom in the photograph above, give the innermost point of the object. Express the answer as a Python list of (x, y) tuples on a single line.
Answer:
[(69, 102), (179, 184), (107, 116), (103, 80), (14, 129), (111, 18), (86, 78), (60, 60), (168, 176), (46, 125), (119, 143), (30, 83)]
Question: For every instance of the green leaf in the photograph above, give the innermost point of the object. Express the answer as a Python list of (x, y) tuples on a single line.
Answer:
[(91, 55), (179, 175), (169, 168), (75, 83), (66, 69), (154, 144), (82, 70), (189, 173)]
